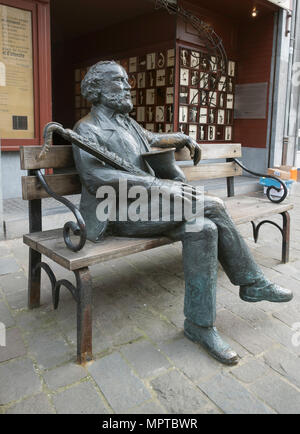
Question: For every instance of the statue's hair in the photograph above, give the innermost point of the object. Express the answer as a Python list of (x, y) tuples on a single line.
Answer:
[(91, 84)]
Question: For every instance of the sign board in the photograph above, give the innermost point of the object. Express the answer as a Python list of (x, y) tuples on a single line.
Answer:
[(286, 4), (251, 101), (16, 74)]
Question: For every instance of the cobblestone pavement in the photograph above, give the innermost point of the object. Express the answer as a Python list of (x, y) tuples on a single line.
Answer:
[(143, 363)]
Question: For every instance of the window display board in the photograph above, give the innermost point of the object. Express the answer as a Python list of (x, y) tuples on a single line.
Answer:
[(16, 74), (152, 80), (206, 98)]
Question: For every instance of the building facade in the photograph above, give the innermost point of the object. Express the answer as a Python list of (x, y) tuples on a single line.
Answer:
[(47, 47)]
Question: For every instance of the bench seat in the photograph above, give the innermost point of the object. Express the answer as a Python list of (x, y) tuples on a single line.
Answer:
[(242, 209)]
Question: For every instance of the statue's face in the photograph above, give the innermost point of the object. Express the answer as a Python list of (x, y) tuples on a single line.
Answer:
[(115, 90)]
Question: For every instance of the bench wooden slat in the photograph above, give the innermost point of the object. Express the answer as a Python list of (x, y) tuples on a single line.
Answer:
[(57, 158), (61, 156), (211, 171), (213, 151), (51, 244), (242, 209), (63, 184)]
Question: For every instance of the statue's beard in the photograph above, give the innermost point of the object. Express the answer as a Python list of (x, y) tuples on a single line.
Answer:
[(118, 103)]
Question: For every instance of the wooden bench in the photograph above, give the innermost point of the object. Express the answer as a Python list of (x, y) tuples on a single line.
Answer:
[(243, 209)]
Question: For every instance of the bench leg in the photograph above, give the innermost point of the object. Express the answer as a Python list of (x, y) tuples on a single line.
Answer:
[(84, 315), (34, 279), (285, 232)]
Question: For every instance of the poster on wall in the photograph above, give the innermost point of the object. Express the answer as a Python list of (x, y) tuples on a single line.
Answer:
[(16, 74)]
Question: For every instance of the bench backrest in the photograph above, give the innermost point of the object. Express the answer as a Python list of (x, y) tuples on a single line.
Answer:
[(61, 157)]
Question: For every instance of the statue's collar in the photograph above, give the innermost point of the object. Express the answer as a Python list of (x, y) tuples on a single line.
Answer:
[(106, 115)]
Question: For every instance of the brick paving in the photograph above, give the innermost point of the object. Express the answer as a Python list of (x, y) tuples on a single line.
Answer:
[(143, 363)]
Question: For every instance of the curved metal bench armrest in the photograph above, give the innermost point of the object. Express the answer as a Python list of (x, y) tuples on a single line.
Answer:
[(79, 228), (285, 190)]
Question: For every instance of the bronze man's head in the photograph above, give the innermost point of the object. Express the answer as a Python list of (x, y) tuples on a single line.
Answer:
[(107, 83)]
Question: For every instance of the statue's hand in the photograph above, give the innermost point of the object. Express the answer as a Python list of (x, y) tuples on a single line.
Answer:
[(194, 149)]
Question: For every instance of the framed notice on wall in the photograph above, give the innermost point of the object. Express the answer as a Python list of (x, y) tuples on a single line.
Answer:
[(16, 74)]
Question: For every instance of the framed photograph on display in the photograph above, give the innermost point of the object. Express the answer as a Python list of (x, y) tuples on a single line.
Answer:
[(170, 76), (161, 60), (183, 95), (222, 84), (220, 133), (140, 114), (229, 104), (151, 61), (150, 114), (231, 68), (194, 96), (213, 63), (141, 80), (211, 133), (171, 57), (142, 63), (222, 99), (132, 64), (229, 117), (161, 77), (151, 78), (211, 116), (204, 63), (203, 97), (141, 97), (204, 80), (169, 113), (202, 132), (228, 133), (194, 78), (183, 114), (184, 57), (150, 96), (203, 116), (193, 132), (160, 114), (195, 59), (213, 99), (184, 77), (170, 95), (230, 85), (193, 113), (221, 117)]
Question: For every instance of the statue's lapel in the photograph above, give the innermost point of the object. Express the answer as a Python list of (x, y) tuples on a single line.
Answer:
[(108, 129)]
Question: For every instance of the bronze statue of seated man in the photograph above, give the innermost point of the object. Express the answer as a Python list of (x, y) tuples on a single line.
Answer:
[(214, 239)]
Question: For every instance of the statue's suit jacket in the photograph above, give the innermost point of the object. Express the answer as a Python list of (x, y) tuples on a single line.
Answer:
[(106, 131)]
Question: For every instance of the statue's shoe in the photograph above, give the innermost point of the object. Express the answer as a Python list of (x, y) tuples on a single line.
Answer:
[(270, 292), (210, 339)]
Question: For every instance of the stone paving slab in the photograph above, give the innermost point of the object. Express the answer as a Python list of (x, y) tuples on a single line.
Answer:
[(143, 362)]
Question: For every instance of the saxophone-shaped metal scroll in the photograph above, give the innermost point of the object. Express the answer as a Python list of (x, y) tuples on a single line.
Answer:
[(285, 190), (78, 229), (83, 143)]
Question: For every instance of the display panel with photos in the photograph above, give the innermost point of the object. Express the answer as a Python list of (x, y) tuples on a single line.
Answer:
[(206, 99), (152, 80)]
